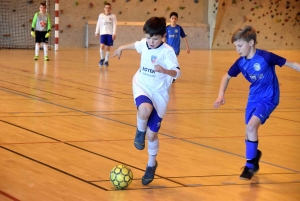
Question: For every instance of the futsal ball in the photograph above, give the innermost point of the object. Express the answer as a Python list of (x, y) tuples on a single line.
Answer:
[(121, 176)]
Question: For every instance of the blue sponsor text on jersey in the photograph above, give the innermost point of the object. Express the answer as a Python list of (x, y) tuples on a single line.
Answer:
[(149, 70)]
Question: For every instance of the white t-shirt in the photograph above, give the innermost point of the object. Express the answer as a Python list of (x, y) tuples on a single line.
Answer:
[(106, 24), (155, 85)]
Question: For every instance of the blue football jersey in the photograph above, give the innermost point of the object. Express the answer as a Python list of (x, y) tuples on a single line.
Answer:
[(260, 72), (173, 35)]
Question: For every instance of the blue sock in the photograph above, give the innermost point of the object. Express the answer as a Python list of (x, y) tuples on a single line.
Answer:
[(251, 150)]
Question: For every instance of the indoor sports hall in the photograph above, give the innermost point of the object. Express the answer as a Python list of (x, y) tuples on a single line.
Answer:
[(67, 122)]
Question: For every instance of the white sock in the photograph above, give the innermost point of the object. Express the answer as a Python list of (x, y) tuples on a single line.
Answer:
[(101, 54), (37, 49), (141, 124), (152, 151), (45, 49), (107, 56)]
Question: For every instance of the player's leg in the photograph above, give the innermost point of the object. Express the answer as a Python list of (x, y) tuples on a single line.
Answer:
[(45, 45), (109, 43), (37, 44), (153, 147), (101, 49), (144, 105), (154, 123), (37, 48), (255, 116)]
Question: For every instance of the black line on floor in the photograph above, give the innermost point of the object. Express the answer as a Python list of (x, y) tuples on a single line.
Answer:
[(54, 168), (211, 185), (37, 89), (82, 149)]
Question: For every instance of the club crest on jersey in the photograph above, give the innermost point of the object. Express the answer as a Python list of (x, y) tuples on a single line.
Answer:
[(153, 58), (42, 23), (257, 67), (176, 30)]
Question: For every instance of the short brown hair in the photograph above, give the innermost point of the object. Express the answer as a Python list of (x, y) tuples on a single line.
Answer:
[(43, 4), (246, 33)]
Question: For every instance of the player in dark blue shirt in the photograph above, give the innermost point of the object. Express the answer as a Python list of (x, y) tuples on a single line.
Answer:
[(258, 67), (173, 34)]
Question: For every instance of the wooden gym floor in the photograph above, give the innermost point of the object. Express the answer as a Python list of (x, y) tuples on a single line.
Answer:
[(66, 123)]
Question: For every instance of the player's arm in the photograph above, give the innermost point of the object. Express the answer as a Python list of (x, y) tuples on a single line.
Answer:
[(48, 24), (114, 36), (183, 35), (224, 83), (98, 26), (33, 24), (171, 65), (187, 45), (293, 65), (48, 27), (173, 73), (118, 51)]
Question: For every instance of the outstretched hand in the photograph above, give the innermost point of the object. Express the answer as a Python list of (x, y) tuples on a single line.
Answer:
[(117, 52), (219, 101), (297, 66)]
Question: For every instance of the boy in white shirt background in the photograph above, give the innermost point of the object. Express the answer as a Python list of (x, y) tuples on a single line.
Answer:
[(107, 28)]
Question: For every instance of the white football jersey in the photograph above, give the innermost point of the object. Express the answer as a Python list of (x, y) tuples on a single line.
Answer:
[(155, 85), (106, 24)]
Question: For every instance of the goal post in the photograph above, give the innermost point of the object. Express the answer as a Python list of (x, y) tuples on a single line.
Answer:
[(15, 23)]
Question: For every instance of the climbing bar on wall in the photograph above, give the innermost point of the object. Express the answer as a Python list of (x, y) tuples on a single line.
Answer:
[(56, 24)]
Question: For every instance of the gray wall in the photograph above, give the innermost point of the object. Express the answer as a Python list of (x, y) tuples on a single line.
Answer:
[(77, 17)]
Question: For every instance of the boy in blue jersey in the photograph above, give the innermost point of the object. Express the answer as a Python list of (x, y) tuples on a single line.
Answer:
[(173, 34), (258, 67)]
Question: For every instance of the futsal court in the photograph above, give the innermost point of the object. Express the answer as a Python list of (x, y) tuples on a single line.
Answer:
[(67, 122)]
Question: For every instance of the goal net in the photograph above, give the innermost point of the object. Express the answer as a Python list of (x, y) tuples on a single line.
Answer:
[(15, 22)]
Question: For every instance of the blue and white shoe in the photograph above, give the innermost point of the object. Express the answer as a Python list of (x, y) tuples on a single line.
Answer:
[(149, 174), (101, 62), (139, 140)]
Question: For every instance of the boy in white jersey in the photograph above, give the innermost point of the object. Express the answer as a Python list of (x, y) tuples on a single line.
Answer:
[(151, 87), (258, 67), (42, 25), (107, 27)]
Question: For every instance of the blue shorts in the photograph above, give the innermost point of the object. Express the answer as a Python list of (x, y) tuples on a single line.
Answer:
[(260, 109), (154, 120), (106, 39)]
